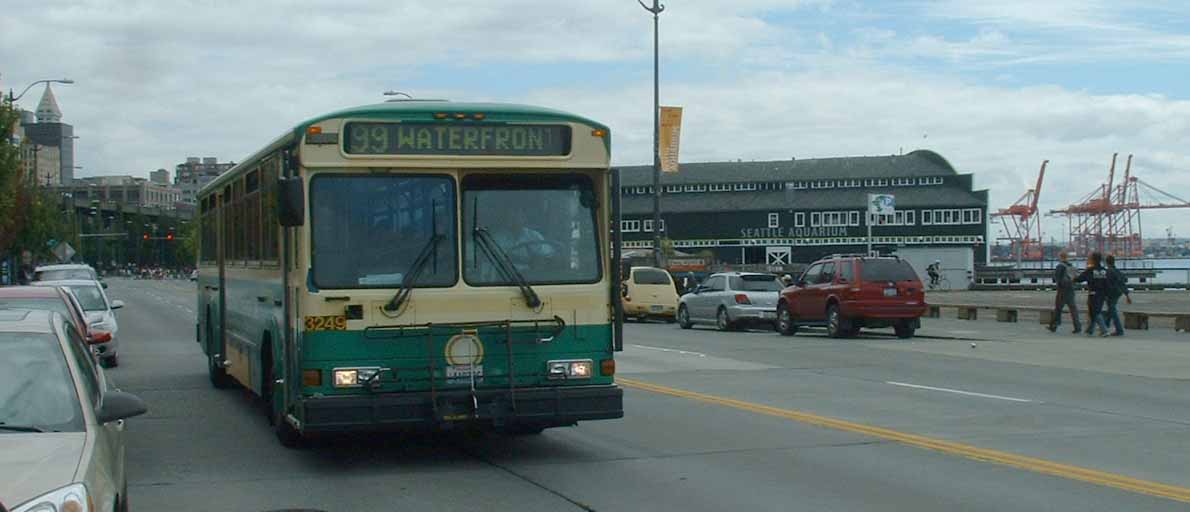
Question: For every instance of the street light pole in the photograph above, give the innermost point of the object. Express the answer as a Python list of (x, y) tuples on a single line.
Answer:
[(13, 99), (656, 10)]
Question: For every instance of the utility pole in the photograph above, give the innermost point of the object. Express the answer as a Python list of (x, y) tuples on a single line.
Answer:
[(656, 10)]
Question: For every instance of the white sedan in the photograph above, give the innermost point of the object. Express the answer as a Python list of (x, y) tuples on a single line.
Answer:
[(61, 425), (101, 316)]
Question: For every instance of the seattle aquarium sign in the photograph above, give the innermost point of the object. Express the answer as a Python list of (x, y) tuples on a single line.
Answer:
[(792, 232)]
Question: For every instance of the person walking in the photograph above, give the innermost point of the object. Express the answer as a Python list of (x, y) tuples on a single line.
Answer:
[(1064, 279), (1098, 283), (1118, 288)]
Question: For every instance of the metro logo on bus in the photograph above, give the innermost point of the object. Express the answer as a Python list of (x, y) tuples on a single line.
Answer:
[(457, 139)]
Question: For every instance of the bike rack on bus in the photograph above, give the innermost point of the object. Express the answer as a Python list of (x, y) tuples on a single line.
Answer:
[(541, 331)]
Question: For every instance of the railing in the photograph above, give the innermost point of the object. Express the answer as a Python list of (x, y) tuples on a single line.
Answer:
[(1132, 319)]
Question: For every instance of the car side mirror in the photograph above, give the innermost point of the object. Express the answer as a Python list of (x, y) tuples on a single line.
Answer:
[(291, 202), (117, 304), (118, 405)]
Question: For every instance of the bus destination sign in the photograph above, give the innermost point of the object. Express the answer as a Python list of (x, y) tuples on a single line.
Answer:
[(457, 139)]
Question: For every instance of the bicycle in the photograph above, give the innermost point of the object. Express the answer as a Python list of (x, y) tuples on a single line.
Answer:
[(942, 284)]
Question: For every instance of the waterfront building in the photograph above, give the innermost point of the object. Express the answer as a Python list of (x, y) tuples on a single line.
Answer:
[(795, 211)]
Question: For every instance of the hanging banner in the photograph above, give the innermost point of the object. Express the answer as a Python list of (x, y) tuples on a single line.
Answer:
[(671, 135)]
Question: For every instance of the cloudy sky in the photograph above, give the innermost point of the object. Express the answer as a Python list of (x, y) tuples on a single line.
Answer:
[(994, 86)]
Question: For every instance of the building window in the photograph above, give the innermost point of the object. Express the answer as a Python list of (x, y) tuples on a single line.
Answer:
[(909, 217), (647, 226), (774, 220), (815, 219), (927, 217), (799, 219), (630, 226), (672, 189), (853, 218), (662, 224), (744, 187)]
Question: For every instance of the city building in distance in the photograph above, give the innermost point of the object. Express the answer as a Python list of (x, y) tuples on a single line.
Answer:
[(194, 173), (49, 142), (796, 211)]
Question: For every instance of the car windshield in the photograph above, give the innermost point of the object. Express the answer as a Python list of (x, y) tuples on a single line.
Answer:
[(368, 230), (650, 276), (36, 389), (89, 296), (55, 305), (887, 270), (545, 224), (64, 274), (756, 283)]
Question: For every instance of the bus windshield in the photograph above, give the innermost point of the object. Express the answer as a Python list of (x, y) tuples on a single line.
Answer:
[(545, 224), (368, 230)]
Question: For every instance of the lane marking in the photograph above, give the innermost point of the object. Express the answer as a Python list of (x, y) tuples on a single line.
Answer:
[(1047, 467), (957, 391), (662, 349)]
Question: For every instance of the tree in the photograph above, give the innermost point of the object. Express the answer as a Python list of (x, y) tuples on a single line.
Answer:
[(29, 216), (187, 254)]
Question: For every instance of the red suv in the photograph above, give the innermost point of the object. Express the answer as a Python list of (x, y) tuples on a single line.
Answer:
[(847, 293)]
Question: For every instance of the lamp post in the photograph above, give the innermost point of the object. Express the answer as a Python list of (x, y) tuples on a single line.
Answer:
[(656, 10), (13, 99)]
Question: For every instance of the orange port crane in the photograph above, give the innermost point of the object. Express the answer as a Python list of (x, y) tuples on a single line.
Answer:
[(1108, 219), (1022, 225)]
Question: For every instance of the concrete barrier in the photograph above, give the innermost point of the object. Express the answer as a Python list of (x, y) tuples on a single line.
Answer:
[(1045, 316), (1006, 315), (1182, 323), (934, 311), (1134, 320), (968, 313)]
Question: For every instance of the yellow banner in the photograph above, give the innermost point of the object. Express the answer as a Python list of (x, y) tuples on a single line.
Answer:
[(671, 135)]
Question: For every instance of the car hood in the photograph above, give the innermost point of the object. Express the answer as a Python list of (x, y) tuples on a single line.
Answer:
[(96, 316), (34, 464)]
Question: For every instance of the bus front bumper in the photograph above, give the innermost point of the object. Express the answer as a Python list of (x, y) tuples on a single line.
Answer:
[(545, 407)]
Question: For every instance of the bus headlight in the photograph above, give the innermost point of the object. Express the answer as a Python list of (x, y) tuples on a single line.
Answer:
[(570, 369), (355, 377)]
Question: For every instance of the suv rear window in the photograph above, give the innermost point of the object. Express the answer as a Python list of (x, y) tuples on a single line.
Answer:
[(650, 276), (886, 270), (755, 283)]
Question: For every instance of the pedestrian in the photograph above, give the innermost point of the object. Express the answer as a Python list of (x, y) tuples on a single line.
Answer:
[(1098, 283), (1064, 280), (1118, 288)]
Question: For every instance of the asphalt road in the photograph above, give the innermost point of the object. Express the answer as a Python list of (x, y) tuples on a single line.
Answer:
[(714, 421)]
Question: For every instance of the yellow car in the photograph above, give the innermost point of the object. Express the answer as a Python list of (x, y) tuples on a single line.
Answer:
[(649, 293)]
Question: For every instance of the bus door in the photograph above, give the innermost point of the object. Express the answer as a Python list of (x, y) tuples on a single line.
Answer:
[(291, 278), (221, 257)]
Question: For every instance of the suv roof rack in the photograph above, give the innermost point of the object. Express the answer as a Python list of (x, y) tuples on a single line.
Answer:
[(860, 255)]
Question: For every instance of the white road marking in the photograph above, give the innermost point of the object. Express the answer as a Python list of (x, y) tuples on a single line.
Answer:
[(684, 352), (956, 391)]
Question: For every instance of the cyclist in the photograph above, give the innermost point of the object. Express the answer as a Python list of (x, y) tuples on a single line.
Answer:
[(934, 270)]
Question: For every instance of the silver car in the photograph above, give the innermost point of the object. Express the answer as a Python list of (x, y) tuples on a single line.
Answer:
[(61, 424), (731, 299), (101, 316)]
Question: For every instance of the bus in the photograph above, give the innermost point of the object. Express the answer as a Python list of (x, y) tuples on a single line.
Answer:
[(417, 265)]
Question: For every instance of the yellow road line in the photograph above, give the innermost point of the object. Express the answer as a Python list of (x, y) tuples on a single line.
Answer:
[(1136, 485)]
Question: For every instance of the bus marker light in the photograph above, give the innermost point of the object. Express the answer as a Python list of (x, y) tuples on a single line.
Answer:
[(479, 116), (460, 115), (312, 378), (346, 378), (598, 133), (440, 115), (607, 367), (314, 130)]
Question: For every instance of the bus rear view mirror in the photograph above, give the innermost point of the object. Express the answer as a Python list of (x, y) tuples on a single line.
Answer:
[(291, 202)]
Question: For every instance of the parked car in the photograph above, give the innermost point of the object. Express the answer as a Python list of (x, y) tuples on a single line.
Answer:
[(66, 272), (47, 298), (194, 275), (100, 313), (848, 293), (61, 423), (730, 300), (649, 292)]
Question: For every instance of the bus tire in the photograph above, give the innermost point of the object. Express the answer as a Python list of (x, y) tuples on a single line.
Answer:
[(286, 434), (266, 380)]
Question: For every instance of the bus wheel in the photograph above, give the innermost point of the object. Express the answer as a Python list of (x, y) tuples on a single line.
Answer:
[(286, 434)]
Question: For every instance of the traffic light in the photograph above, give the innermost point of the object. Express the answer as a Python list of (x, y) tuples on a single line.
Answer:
[(169, 236), (145, 236)]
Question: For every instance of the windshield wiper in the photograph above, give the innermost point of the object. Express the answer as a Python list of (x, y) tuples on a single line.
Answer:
[(415, 270), (20, 428), (506, 267)]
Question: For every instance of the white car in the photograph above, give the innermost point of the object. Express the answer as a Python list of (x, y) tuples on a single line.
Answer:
[(66, 272), (100, 311), (61, 424)]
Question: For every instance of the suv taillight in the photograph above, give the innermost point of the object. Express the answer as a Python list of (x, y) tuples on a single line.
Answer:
[(741, 298)]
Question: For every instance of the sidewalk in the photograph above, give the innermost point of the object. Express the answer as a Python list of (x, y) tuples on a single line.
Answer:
[(1156, 353)]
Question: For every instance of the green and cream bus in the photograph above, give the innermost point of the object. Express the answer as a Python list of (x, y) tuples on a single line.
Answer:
[(417, 264)]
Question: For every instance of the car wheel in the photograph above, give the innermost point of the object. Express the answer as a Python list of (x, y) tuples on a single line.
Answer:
[(785, 322), (904, 329), (722, 322), (684, 317), (834, 322)]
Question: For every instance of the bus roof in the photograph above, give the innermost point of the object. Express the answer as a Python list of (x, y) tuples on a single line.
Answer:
[(412, 110)]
